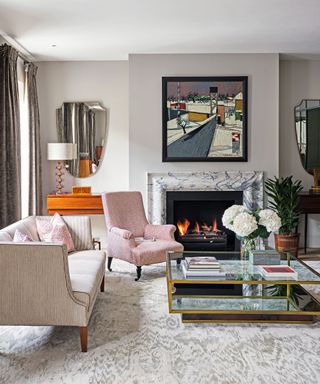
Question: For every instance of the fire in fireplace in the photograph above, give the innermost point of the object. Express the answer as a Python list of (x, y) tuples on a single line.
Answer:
[(197, 216), (202, 233)]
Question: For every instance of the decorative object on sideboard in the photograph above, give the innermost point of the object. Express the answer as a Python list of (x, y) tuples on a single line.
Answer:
[(83, 123), (284, 195), (204, 118), (307, 128), (81, 190), (61, 152), (251, 227)]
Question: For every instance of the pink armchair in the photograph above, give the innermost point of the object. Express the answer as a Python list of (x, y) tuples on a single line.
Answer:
[(130, 236)]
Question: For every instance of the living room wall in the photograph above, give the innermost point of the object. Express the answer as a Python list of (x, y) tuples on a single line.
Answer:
[(106, 82), (145, 114), (299, 79)]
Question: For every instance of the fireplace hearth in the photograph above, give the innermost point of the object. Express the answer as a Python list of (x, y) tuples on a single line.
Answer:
[(197, 216)]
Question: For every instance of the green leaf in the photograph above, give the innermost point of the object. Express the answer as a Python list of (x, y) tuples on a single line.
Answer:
[(283, 193)]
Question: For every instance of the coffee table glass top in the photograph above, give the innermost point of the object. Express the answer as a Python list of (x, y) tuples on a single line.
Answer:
[(239, 271), (243, 291)]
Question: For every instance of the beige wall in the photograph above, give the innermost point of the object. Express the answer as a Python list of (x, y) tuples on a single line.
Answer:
[(133, 151), (106, 82), (145, 115), (299, 79)]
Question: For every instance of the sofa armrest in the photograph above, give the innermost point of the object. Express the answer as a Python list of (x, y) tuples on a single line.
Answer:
[(162, 232), (35, 286), (121, 233)]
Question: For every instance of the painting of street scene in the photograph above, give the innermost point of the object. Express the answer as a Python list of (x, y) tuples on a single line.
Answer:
[(205, 119)]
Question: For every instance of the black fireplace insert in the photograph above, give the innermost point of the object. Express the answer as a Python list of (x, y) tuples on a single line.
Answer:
[(198, 218)]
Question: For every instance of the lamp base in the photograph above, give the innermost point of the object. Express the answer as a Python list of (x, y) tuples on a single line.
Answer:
[(59, 178)]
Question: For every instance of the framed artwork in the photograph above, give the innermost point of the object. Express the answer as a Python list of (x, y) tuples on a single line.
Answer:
[(204, 118)]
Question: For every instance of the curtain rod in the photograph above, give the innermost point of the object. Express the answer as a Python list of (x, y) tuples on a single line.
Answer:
[(23, 53)]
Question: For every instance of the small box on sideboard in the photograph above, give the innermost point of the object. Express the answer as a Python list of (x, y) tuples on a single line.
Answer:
[(81, 190), (264, 257)]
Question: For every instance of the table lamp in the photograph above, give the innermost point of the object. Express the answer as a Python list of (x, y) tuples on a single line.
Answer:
[(60, 152)]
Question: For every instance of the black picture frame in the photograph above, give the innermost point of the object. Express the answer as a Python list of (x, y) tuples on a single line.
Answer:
[(198, 140)]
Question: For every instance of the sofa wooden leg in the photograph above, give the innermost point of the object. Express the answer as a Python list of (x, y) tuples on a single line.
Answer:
[(84, 338), (102, 285), (138, 273), (109, 263)]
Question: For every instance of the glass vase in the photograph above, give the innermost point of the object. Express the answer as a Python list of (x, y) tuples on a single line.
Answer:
[(247, 245)]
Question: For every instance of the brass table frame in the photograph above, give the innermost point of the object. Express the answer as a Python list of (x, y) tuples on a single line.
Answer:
[(240, 316)]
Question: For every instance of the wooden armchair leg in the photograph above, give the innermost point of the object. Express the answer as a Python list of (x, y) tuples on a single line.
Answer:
[(84, 338), (109, 263), (102, 285), (138, 273)]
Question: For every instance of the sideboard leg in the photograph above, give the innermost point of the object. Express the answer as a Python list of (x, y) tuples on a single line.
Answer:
[(305, 232)]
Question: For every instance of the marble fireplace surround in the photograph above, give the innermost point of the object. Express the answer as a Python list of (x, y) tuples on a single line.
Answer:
[(249, 182)]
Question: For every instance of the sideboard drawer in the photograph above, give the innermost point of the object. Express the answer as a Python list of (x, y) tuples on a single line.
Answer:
[(68, 204)]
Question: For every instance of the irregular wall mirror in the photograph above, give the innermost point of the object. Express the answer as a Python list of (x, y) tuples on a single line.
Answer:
[(84, 124), (307, 126)]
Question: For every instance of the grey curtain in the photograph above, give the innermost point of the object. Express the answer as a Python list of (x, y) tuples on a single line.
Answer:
[(35, 177), (10, 187)]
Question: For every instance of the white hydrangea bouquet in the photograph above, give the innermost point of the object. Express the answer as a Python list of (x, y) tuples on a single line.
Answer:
[(250, 225)]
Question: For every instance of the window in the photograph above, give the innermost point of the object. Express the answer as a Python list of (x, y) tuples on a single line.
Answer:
[(24, 139)]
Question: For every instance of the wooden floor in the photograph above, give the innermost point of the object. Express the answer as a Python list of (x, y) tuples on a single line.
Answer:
[(312, 254)]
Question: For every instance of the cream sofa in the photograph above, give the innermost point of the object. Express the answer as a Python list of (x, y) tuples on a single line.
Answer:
[(40, 284)]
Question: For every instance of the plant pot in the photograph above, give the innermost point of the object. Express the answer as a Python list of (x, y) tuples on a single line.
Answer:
[(287, 243)]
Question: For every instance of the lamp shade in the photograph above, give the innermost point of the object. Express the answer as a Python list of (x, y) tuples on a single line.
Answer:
[(62, 151)]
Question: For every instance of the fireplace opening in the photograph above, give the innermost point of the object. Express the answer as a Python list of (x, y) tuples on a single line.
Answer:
[(198, 218)]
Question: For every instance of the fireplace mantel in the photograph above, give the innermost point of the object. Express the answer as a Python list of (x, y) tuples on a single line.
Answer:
[(250, 182)]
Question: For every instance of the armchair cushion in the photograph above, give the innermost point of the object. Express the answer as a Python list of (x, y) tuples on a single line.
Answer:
[(154, 252), (163, 232), (122, 233)]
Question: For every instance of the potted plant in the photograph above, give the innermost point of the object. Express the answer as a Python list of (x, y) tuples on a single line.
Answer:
[(284, 193)]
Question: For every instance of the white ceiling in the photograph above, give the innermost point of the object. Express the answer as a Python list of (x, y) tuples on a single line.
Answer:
[(110, 30)]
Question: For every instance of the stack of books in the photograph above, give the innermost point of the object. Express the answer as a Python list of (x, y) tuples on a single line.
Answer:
[(201, 267)]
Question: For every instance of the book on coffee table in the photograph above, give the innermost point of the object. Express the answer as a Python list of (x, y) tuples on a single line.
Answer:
[(201, 263), (278, 272), (201, 272)]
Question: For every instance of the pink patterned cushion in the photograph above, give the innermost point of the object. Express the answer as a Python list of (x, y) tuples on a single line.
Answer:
[(20, 237), (54, 230)]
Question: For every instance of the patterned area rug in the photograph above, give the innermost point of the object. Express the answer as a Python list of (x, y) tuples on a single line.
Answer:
[(133, 339)]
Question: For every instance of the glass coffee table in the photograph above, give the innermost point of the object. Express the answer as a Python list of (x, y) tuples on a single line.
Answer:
[(243, 294)]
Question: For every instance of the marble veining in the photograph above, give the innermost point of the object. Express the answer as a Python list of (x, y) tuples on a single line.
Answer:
[(249, 182)]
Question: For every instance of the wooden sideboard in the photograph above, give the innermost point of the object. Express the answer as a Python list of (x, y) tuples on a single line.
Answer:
[(308, 203), (69, 204)]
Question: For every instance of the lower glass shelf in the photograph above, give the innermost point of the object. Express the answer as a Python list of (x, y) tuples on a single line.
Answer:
[(298, 301)]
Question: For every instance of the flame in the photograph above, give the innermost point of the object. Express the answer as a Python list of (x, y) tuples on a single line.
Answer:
[(214, 225), (183, 226), (197, 227)]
